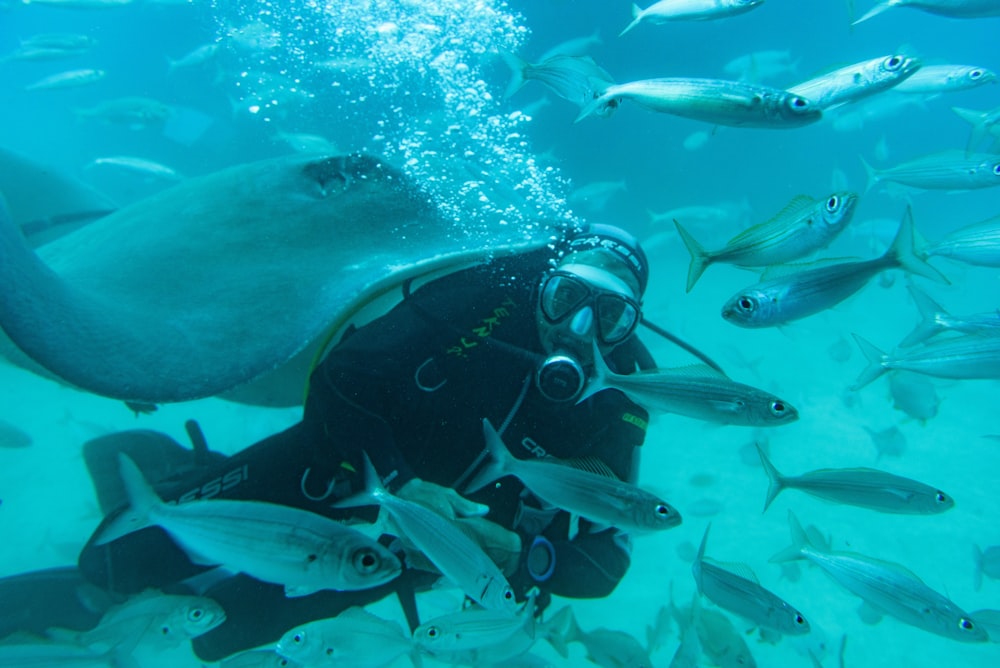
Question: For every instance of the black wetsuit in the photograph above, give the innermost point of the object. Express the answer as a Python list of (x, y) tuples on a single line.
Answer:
[(411, 389)]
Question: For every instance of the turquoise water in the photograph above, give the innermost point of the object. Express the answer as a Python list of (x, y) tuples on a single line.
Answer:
[(419, 83)]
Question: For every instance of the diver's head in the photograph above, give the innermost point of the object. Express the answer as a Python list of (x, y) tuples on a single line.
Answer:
[(594, 294)]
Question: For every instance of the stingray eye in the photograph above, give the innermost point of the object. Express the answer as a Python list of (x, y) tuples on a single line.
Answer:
[(893, 63), (833, 203), (975, 74), (366, 561), (778, 408), (746, 304)]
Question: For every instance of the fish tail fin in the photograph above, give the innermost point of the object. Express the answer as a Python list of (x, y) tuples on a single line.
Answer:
[(776, 482), (142, 500), (602, 105), (876, 363), (370, 494), (979, 128), (516, 65), (699, 258), (929, 325), (499, 456), (696, 565), (560, 630), (874, 11), (871, 173), (800, 542), (599, 379), (978, 574), (636, 18), (904, 252)]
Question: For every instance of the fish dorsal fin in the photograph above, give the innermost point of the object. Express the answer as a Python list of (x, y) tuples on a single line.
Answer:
[(591, 465), (691, 371), (782, 270), (797, 205), (736, 568)]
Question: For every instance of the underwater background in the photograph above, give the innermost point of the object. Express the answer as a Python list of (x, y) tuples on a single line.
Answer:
[(420, 82)]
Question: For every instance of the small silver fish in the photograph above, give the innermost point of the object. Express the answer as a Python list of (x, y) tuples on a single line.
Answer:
[(913, 394), (301, 550), (721, 643), (888, 442), (577, 79), (804, 226), (697, 391), (947, 170), (984, 123), (961, 357), (737, 590), (857, 81), (862, 487), (710, 100), (688, 10), (137, 166), (456, 555), (355, 637), (889, 587), (988, 564), (68, 79), (194, 58), (473, 629), (977, 244), (798, 292), (598, 498), (935, 320), (935, 79), (956, 9), (761, 65)]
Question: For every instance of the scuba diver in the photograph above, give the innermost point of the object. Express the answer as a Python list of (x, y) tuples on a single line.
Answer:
[(512, 341)]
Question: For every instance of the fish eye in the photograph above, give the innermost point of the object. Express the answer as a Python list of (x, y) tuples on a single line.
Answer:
[(777, 407), (662, 509), (195, 614), (832, 203), (329, 651), (365, 561), (799, 619), (165, 630), (311, 558), (975, 74), (940, 497), (996, 169), (893, 62), (746, 304), (966, 624), (298, 638), (432, 632), (799, 102), (508, 595)]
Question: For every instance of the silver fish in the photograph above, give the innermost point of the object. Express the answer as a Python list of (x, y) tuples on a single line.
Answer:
[(59, 41), (135, 112), (857, 81), (719, 639), (984, 123), (194, 58), (688, 10), (697, 391), (988, 564), (577, 79), (598, 498), (80, 4), (577, 46), (947, 170), (934, 79), (989, 620), (889, 442), (913, 394), (804, 226), (961, 357), (863, 487), (473, 629), (256, 658), (54, 655), (67, 79), (889, 587), (301, 550), (742, 594), (710, 100), (977, 244), (355, 637), (456, 555), (934, 320), (761, 65), (956, 9), (137, 166), (809, 290)]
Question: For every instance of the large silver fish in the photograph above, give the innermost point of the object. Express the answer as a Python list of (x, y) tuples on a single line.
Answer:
[(889, 587), (864, 487), (598, 498), (473, 629), (805, 291), (301, 550), (961, 357), (688, 10), (804, 226), (355, 637), (956, 9), (977, 244), (710, 100), (742, 594), (934, 320), (578, 79), (857, 81), (67, 79), (456, 555), (934, 79), (947, 170), (696, 391)]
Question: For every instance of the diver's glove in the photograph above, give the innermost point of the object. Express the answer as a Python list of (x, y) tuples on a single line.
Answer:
[(442, 500)]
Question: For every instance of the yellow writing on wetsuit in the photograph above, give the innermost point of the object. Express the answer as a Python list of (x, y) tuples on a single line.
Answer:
[(636, 420), (483, 329)]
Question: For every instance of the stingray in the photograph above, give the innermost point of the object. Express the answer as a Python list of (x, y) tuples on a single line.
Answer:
[(228, 277), (44, 202)]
